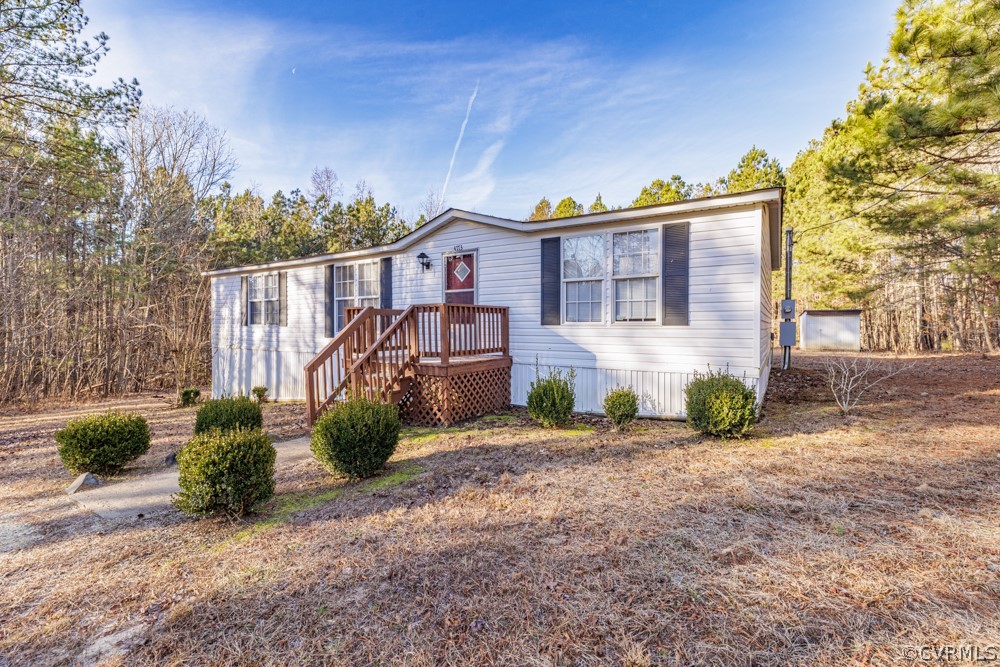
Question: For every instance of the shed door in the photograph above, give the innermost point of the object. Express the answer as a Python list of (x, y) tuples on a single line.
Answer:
[(460, 279)]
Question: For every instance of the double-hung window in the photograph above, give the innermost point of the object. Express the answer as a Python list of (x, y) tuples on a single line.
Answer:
[(635, 273), (583, 278), (262, 299), (355, 285)]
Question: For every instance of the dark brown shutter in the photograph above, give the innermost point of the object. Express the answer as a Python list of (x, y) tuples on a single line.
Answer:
[(283, 299), (331, 304), (676, 271), (385, 283), (244, 292), (551, 288)]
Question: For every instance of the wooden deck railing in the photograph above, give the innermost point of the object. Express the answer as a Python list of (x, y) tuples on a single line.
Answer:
[(327, 373), (383, 367), (379, 347)]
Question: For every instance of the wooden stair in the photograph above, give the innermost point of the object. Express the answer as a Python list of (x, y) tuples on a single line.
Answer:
[(379, 353)]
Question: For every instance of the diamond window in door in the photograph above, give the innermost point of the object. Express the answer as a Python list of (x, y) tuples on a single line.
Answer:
[(462, 271), (460, 285)]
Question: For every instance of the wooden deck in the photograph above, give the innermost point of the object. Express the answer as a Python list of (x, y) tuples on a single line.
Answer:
[(441, 363)]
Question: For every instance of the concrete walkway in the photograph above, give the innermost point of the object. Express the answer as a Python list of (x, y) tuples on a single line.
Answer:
[(149, 495)]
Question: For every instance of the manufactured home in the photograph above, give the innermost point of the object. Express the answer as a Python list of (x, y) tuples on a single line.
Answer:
[(459, 316)]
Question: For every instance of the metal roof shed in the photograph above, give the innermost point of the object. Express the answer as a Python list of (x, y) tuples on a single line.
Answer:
[(831, 330)]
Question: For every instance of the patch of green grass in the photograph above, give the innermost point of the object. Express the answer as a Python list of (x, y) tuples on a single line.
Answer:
[(395, 478), (576, 430), (419, 434), (499, 419), (288, 506)]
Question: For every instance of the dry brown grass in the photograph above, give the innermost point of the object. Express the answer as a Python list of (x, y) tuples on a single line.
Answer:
[(823, 540)]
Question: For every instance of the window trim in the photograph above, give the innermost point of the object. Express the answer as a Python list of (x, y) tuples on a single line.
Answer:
[(263, 300), (608, 279), (354, 301), (657, 278), (563, 280)]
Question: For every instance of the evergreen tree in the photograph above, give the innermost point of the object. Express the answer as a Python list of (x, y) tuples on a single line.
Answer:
[(663, 192), (754, 171), (567, 208), (598, 206), (542, 211)]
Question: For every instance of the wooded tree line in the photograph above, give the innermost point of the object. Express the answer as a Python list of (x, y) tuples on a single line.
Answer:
[(110, 210)]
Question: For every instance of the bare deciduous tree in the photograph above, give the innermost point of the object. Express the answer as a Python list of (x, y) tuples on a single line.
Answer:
[(849, 378)]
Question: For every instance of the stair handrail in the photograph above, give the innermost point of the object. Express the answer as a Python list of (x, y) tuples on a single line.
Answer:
[(398, 358), (330, 379)]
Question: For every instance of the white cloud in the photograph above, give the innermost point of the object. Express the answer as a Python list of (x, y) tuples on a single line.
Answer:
[(476, 185), (555, 118)]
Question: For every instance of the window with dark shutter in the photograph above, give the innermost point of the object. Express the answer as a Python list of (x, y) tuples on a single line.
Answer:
[(263, 299), (551, 276), (675, 273)]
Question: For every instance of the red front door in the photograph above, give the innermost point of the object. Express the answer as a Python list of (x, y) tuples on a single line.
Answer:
[(460, 279)]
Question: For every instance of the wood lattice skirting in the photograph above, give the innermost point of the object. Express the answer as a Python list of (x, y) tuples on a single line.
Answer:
[(442, 395)]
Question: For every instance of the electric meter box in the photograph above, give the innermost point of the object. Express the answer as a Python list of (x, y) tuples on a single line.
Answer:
[(786, 334)]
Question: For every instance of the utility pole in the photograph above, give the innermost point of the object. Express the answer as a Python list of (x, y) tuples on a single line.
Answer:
[(786, 330)]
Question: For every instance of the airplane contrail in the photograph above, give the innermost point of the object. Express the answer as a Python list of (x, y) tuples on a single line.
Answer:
[(454, 153)]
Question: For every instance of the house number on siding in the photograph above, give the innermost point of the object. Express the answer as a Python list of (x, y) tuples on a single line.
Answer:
[(458, 248)]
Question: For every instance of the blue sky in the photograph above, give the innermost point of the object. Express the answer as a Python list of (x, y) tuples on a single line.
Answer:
[(573, 98)]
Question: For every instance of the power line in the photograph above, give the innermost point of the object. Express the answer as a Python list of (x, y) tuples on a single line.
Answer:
[(902, 187)]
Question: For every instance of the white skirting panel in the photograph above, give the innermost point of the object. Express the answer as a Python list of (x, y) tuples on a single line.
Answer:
[(765, 375), (235, 371), (661, 393)]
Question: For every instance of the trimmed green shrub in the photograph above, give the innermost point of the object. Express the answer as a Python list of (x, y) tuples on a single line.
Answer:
[(189, 396), (259, 393), (227, 414), (356, 437), (551, 398), (103, 444), (225, 471), (721, 405), (621, 405)]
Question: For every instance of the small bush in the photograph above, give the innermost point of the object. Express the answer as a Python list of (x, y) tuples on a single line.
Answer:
[(227, 414), (621, 405), (189, 396), (356, 437), (551, 399), (259, 393), (721, 405), (103, 444), (229, 471)]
